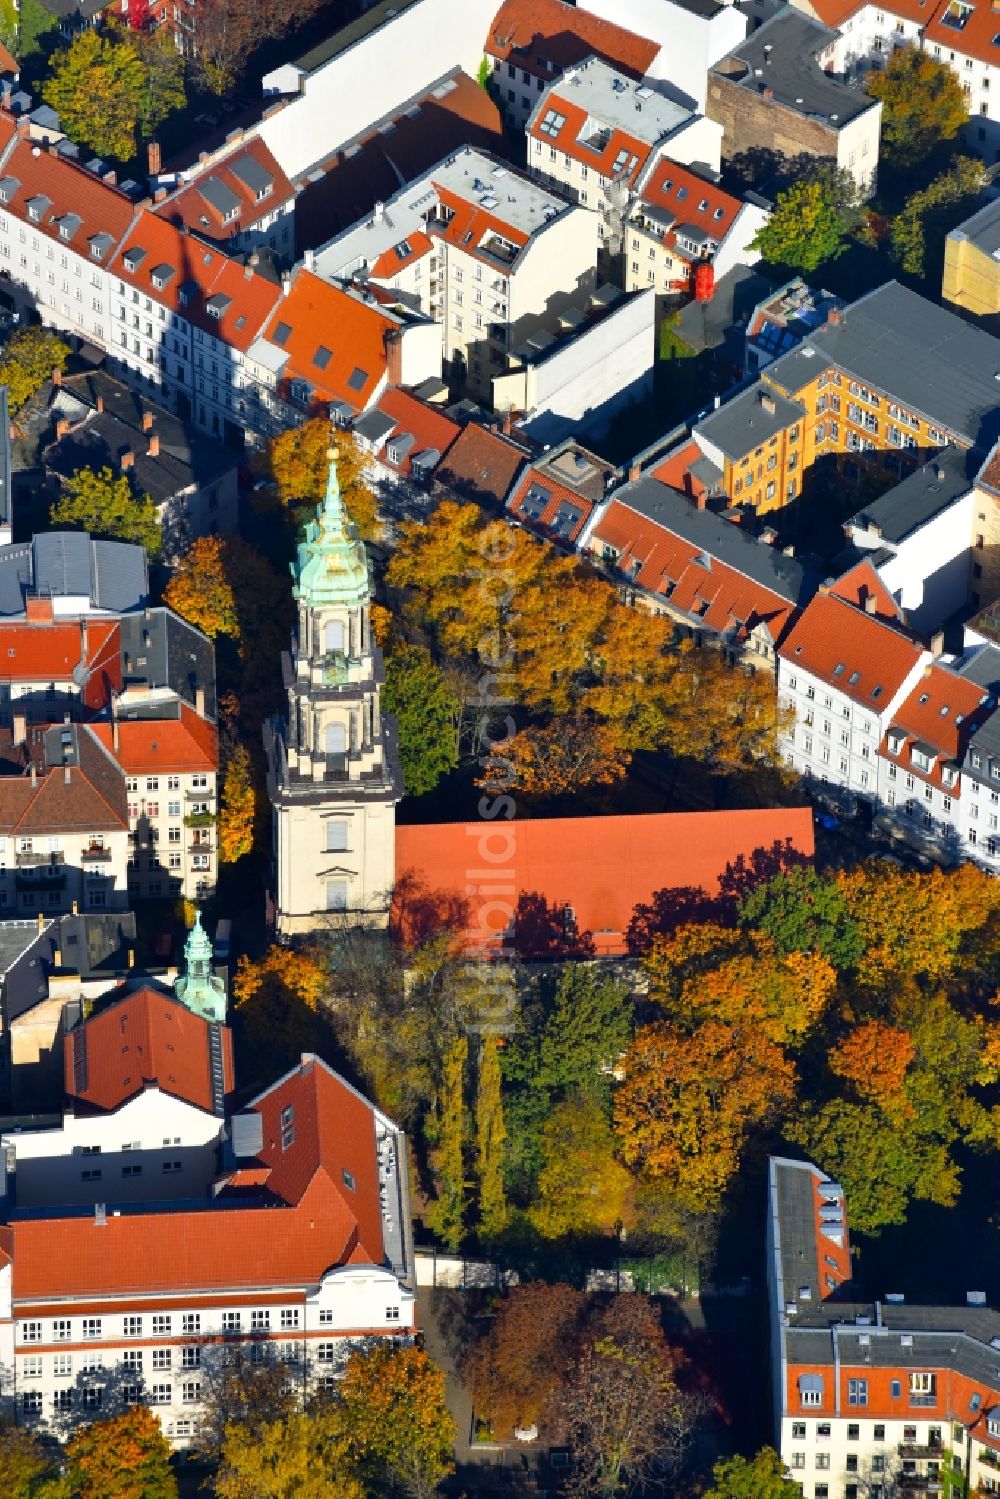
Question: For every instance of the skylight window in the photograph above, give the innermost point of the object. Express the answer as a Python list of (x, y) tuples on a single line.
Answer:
[(281, 334), (876, 692), (924, 698), (838, 669), (703, 205), (552, 123), (682, 193), (322, 357), (718, 213), (854, 678), (358, 379)]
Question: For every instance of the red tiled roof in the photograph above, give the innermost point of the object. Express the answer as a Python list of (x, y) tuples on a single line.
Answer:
[(567, 139), (862, 587), (392, 261), (973, 39), (482, 465), (204, 273), (189, 205), (324, 318), (940, 713), (675, 470), (874, 658), (148, 745), (429, 427), (601, 867), (46, 651), (69, 189), (469, 224), (532, 33), (145, 1037), (8, 62), (691, 200), (671, 567), (556, 496)]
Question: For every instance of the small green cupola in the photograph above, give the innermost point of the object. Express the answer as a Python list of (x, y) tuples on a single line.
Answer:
[(198, 987), (331, 566)]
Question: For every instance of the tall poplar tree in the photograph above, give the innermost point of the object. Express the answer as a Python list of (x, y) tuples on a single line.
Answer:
[(446, 1212), (490, 1136)]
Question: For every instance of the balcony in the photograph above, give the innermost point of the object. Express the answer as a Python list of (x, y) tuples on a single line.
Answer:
[(989, 1458), (205, 794), (26, 856), (96, 854), (932, 1450)]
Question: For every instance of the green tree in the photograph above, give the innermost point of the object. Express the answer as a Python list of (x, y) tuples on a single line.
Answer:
[(760, 1477), (804, 911), (395, 1423), (922, 105), (124, 1457), (8, 26), (484, 73), (587, 1026), (809, 224), (106, 505), (27, 1471), (426, 712), (446, 1213), (878, 1164), (163, 90), (920, 229), (490, 1136), (35, 23), (28, 361), (97, 87), (582, 1189)]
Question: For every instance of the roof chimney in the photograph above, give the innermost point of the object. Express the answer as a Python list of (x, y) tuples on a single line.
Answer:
[(159, 194), (937, 644), (75, 908), (41, 922), (871, 604), (114, 731), (199, 701), (66, 775), (62, 427), (767, 404), (154, 445), (834, 317), (309, 259), (127, 459), (131, 957), (99, 404), (634, 471), (768, 93), (111, 178), (154, 158), (147, 421), (286, 285), (57, 376), (20, 728), (34, 775)]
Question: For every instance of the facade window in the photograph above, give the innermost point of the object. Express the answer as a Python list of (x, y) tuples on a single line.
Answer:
[(191, 1358), (260, 1321), (231, 1322), (31, 1332), (61, 1330), (191, 1323), (161, 1326), (161, 1358), (133, 1327), (191, 1391), (857, 1394), (289, 1319)]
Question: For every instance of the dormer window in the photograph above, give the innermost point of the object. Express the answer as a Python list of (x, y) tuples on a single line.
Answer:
[(894, 742)]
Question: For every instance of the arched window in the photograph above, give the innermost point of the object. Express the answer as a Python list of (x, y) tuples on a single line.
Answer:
[(333, 636)]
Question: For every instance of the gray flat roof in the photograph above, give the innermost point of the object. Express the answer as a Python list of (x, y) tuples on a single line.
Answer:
[(926, 358), (719, 538), (922, 495), (742, 424), (982, 229), (614, 99), (782, 55)]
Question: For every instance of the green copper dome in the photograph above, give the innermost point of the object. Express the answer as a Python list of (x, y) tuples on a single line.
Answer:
[(199, 988), (331, 567)]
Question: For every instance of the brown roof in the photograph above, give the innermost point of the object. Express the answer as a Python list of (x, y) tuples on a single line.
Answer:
[(147, 1037), (482, 465), (81, 797), (532, 33), (456, 113)]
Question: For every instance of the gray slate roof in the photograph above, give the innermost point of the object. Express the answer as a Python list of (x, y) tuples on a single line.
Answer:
[(982, 229), (742, 424), (926, 358), (111, 574), (176, 656), (922, 495), (719, 538)]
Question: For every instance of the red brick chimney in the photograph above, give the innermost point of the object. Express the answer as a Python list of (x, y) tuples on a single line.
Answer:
[(634, 472), (154, 446), (154, 158), (127, 459), (62, 427), (394, 356), (701, 500), (100, 403), (159, 195), (834, 317), (508, 421), (767, 93), (57, 376), (147, 421)]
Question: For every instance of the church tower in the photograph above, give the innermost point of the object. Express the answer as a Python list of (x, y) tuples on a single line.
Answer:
[(333, 774), (198, 987)]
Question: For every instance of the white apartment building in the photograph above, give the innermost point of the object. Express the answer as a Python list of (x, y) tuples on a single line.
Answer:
[(691, 35), (171, 766), (296, 1244), (489, 255), (678, 220), (595, 132), (844, 669)]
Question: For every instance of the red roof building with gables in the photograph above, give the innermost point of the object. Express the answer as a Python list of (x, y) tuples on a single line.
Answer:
[(558, 493)]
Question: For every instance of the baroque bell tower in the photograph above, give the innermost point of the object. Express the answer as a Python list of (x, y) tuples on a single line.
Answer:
[(333, 772)]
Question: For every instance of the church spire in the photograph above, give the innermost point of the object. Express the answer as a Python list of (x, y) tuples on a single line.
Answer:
[(331, 567), (198, 988)]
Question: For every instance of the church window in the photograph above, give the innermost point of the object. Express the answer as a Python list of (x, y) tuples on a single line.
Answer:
[(333, 636), (336, 836)]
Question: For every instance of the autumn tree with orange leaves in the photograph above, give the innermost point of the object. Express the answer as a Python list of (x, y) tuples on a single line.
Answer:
[(122, 1457), (516, 1370), (300, 465), (689, 1100), (238, 811)]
